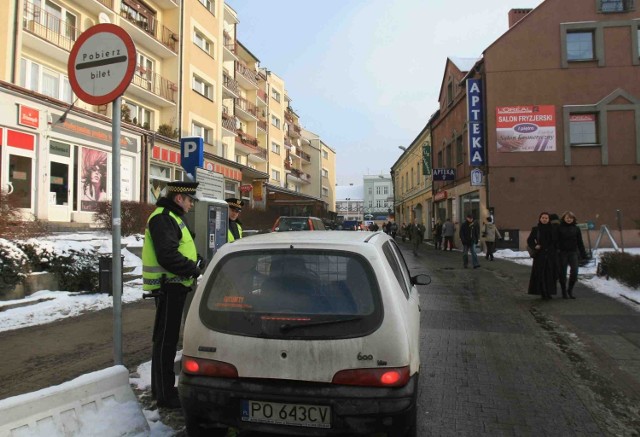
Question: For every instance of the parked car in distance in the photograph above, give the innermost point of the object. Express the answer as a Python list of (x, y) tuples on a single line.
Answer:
[(291, 223), (305, 332)]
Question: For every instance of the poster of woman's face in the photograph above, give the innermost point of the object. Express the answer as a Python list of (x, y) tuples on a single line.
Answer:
[(93, 178)]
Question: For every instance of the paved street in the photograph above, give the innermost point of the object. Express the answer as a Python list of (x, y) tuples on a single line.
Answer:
[(497, 361)]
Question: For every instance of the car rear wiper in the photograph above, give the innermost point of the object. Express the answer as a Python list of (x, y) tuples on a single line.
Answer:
[(289, 327)]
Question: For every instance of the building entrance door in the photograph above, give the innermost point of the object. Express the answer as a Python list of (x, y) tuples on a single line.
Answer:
[(20, 181), (60, 189)]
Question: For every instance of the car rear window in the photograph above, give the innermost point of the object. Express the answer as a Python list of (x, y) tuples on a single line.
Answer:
[(292, 294), (293, 224)]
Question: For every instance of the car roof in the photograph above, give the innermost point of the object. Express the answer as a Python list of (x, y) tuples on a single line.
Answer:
[(307, 239)]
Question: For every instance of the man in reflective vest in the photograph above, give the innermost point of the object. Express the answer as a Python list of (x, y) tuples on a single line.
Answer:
[(170, 264), (234, 231)]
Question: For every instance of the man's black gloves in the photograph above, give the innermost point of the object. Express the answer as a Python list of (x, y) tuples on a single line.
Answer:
[(199, 266)]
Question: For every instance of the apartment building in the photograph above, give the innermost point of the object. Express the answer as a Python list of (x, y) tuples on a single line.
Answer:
[(378, 197), (193, 78)]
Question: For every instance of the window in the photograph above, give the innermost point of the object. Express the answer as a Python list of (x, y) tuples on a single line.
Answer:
[(275, 121), (203, 42), (447, 156), (209, 4), (275, 95), (202, 87), (275, 175), (411, 178), (386, 190), (136, 114), (198, 130), (580, 46), (370, 191), (275, 148), (440, 159), (616, 5), (325, 173), (325, 154), (231, 189), (42, 80), (449, 93), (56, 19), (459, 150), (583, 129), (325, 192), (158, 178)]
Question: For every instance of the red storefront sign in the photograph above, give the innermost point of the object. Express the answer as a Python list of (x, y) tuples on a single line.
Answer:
[(442, 195), (28, 117), (245, 188)]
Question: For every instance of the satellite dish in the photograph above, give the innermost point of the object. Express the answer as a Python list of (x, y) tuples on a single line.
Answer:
[(103, 18)]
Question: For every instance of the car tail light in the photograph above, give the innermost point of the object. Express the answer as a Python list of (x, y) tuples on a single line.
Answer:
[(376, 377), (203, 367)]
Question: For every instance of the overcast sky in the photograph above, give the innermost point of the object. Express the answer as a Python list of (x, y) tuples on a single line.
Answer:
[(365, 74)]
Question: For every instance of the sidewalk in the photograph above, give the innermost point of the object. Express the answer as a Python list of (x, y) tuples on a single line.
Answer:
[(500, 361)]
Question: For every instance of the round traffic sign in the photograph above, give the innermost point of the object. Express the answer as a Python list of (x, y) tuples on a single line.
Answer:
[(101, 64)]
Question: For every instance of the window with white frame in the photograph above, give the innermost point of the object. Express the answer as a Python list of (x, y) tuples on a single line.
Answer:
[(325, 173), (580, 46), (275, 121), (209, 4), (325, 154), (583, 129), (40, 79), (616, 5), (378, 190), (230, 189), (203, 42), (275, 175), (198, 130), (275, 148), (136, 114), (325, 192), (57, 20), (202, 87), (275, 95)]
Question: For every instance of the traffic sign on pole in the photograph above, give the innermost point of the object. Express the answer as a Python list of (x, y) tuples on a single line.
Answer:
[(101, 64)]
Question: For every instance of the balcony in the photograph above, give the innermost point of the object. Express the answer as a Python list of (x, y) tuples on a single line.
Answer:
[(300, 175), (246, 143), (97, 6), (230, 47), (303, 155), (262, 98), (150, 34), (153, 88), (246, 77), (293, 131), (260, 156), (245, 109), (44, 29), (229, 87), (262, 125), (229, 127)]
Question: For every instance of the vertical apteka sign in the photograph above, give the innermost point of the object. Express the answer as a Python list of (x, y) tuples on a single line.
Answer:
[(475, 116)]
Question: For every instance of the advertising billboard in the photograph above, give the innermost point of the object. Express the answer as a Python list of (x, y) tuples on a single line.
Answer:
[(526, 128)]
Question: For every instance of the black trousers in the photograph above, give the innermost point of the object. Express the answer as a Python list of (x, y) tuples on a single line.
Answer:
[(166, 332), (568, 259)]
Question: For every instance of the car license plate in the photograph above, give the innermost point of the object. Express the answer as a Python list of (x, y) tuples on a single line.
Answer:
[(312, 416)]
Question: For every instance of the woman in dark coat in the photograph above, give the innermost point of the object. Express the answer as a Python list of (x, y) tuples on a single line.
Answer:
[(543, 239), (570, 247)]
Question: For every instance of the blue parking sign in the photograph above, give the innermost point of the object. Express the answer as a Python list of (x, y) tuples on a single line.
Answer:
[(191, 154)]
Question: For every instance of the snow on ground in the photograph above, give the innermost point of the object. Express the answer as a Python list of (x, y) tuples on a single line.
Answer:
[(51, 305)]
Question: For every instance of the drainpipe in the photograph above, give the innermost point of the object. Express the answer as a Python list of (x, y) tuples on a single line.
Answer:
[(14, 46)]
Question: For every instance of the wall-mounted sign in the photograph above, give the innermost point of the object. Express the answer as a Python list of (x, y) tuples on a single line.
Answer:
[(441, 195), (426, 158), (475, 117), (477, 177), (246, 188), (444, 174), (191, 154), (29, 117), (526, 128)]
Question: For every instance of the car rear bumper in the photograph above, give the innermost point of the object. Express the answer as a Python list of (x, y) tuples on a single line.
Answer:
[(355, 410)]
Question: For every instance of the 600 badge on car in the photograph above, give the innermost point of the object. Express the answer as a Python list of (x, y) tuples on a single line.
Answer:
[(312, 416)]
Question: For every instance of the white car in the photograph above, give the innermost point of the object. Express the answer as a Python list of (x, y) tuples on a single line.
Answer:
[(313, 333)]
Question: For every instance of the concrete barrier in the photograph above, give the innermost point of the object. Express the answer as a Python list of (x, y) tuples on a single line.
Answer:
[(101, 403)]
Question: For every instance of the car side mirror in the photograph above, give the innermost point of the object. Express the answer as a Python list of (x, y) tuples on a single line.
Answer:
[(421, 279)]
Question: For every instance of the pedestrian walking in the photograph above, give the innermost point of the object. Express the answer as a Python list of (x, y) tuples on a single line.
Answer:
[(469, 236), (448, 231), (490, 234), (170, 264), (416, 233), (570, 249), (394, 229), (403, 232), (234, 232), (543, 240), (437, 234)]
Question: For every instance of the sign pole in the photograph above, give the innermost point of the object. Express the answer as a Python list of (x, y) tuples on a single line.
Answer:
[(116, 266)]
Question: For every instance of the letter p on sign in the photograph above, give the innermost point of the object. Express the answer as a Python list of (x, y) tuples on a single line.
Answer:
[(191, 154)]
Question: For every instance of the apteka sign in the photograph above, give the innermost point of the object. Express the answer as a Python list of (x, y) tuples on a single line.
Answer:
[(475, 116), (101, 64)]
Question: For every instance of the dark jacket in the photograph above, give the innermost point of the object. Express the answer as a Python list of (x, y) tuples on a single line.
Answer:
[(544, 270), (166, 235), (469, 233), (570, 239)]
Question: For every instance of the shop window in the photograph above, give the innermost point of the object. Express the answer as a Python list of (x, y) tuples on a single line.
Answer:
[(580, 46), (583, 129)]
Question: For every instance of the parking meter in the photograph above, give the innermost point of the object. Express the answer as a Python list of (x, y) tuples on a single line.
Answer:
[(209, 219)]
